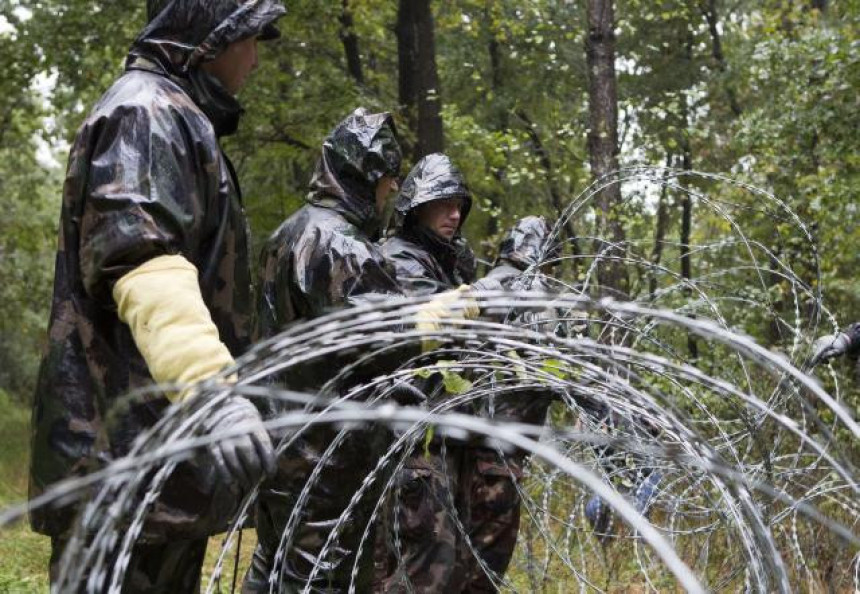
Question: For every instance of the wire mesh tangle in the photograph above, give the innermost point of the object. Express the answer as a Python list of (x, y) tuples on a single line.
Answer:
[(650, 440)]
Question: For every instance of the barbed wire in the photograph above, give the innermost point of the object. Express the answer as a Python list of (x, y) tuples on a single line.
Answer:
[(719, 467)]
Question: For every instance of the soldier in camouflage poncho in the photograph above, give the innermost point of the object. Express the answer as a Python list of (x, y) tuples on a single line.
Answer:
[(490, 500), (323, 257), (528, 246), (427, 262), (428, 554), (430, 256), (149, 197)]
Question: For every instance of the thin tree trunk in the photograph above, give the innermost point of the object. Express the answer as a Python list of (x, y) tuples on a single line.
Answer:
[(501, 118), (407, 59), (686, 231), (712, 18), (661, 225), (495, 62), (603, 137), (418, 82), (431, 138), (350, 43)]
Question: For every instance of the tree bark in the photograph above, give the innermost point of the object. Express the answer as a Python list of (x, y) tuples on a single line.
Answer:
[(712, 18), (407, 58), (603, 138), (660, 227), (501, 120), (431, 138), (418, 82), (350, 43), (687, 209), (686, 230), (407, 50)]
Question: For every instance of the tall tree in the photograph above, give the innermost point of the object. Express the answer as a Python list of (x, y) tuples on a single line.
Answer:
[(709, 9), (686, 198), (350, 43), (418, 78), (603, 145)]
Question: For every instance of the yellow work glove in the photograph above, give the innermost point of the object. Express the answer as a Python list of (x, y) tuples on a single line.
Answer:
[(173, 329), (435, 312), (161, 302)]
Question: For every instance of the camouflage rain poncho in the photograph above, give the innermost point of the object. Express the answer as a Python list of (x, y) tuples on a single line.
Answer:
[(146, 177)]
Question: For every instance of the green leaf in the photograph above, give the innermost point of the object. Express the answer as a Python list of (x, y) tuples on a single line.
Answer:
[(428, 439), (455, 383)]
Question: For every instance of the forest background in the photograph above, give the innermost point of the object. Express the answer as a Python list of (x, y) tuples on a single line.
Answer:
[(531, 100)]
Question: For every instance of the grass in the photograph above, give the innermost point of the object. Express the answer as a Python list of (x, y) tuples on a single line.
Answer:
[(24, 555)]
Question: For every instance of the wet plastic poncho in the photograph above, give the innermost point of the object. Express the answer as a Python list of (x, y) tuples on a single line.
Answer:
[(528, 244), (146, 177), (324, 257), (425, 262)]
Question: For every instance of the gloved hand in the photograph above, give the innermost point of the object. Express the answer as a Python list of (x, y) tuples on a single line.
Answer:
[(498, 279), (242, 459), (456, 304), (828, 347)]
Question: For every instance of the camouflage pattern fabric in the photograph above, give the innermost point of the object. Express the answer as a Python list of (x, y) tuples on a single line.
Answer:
[(184, 33), (528, 243), (324, 257), (146, 177), (490, 511), (469, 485), (417, 550), (425, 262), (165, 568), (433, 178), (457, 519)]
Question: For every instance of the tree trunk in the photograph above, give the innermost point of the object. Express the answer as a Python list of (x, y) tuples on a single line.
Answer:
[(350, 44), (603, 139), (710, 11), (431, 138), (685, 198), (407, 58), (501, 120), (418, 82), (661, 225)]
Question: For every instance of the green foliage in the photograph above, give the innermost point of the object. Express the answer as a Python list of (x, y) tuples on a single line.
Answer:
[(778, 108), (453, 382), (23, 555), (515, 114), (29, 202)]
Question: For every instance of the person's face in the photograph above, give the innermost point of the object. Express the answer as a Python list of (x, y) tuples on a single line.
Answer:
[(385, 188), (442, 217), (234, 64)]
